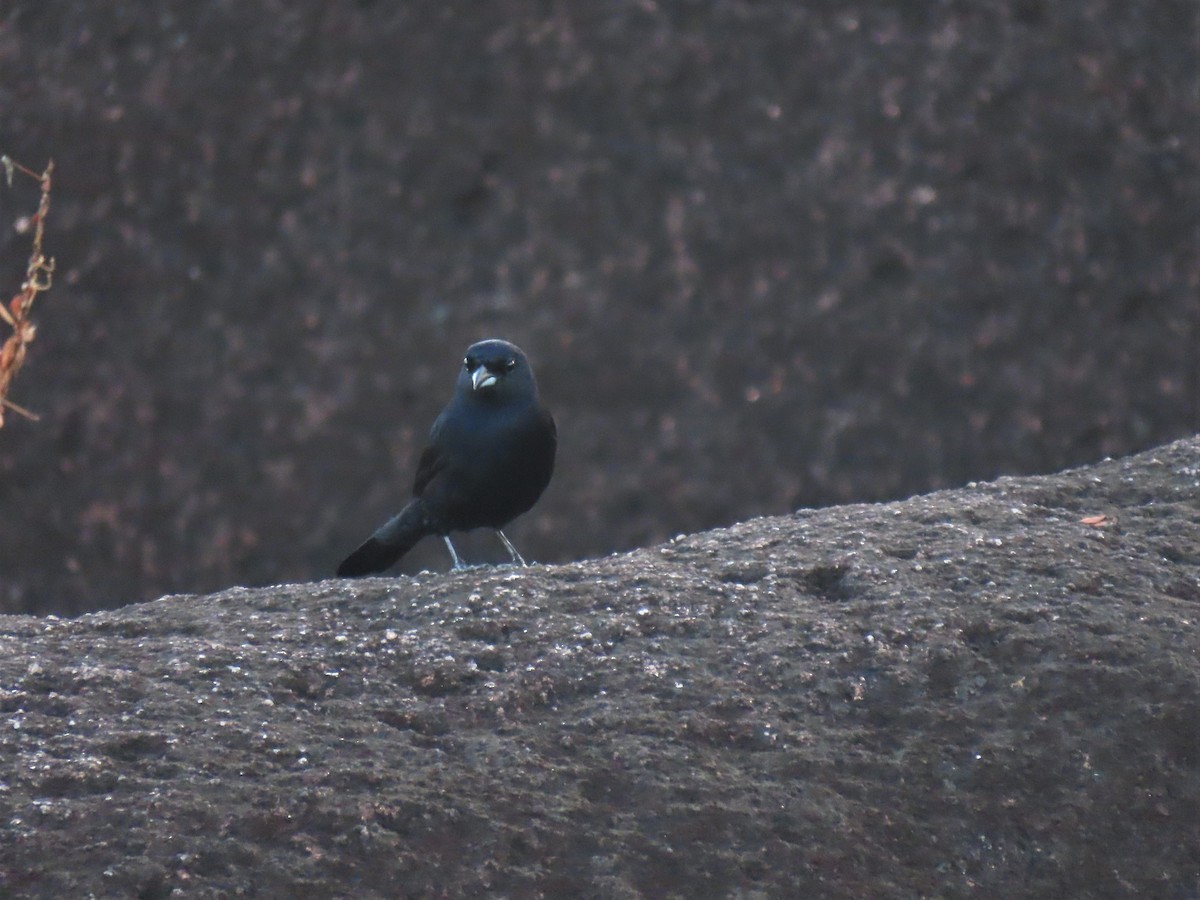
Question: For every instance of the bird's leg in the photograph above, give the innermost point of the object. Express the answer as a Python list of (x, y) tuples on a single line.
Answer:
[(458, 563), (512, 551)]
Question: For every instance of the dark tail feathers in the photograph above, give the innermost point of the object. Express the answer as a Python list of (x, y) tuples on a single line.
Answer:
[(390, 541)]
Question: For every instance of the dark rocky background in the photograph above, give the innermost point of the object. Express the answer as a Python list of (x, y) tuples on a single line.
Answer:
[(764, 255), (987, 692)]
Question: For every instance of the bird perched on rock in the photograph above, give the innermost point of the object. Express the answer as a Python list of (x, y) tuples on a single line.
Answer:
[(490, 456)]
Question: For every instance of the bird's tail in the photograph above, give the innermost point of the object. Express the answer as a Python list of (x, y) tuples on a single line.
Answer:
[(391, 541)]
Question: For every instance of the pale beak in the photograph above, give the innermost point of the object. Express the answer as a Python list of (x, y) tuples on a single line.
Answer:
[(482, 378)]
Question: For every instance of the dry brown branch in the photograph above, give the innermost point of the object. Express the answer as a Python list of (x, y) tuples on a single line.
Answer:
[(37, 279)]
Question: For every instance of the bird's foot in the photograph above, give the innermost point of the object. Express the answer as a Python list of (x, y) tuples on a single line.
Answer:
[(456, 560), (517, 559)]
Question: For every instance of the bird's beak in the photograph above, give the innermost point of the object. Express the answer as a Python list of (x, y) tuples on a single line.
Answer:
[(482, 378)]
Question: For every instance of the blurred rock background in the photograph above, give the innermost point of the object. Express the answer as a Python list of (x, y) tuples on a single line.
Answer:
[(764, 255)]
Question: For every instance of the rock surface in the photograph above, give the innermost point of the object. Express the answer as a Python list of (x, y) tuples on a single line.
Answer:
[(991, 691), (764, 254)]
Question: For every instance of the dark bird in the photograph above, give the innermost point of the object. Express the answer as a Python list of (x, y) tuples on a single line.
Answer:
[(490, 456)]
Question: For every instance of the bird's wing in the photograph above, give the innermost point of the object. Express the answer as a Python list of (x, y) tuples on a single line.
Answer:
[(431, 463)]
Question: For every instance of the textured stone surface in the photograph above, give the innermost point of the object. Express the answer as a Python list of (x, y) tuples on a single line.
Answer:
[(992, 691), (765, 255)]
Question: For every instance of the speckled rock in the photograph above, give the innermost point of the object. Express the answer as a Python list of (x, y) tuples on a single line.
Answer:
[(980, 692)]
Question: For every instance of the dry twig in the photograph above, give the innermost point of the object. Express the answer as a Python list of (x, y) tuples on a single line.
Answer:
[(37, 279)]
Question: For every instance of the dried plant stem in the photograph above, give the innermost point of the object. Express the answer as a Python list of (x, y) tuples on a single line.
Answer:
[(38, 275)]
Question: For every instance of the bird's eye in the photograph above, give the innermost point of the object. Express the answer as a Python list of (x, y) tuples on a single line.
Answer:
[(509, 365), (467, 363)]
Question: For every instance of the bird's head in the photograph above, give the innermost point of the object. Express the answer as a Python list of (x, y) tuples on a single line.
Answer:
[(496, 369)]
